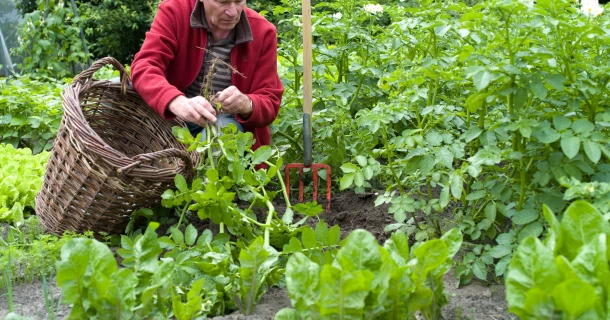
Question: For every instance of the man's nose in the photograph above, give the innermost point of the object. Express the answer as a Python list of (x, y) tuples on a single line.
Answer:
[(231, 10)]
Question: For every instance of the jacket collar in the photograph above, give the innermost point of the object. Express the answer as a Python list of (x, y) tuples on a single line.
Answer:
[(242, 32)]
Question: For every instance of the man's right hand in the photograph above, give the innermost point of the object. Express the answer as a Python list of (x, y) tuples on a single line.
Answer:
[(196, 110)]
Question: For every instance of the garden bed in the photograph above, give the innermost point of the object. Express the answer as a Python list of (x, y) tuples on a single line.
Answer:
[(477, 300)]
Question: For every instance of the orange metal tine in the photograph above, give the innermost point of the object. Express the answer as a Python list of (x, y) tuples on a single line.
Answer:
[(315, 167)]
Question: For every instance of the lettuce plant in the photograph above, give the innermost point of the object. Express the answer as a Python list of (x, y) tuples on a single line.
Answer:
[(21, 175), (566, 276), (369, 281)]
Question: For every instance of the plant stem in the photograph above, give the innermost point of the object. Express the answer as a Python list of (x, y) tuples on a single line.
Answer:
[(9, 283), (182, 214), (291, 139), (208, 132), (269, 217), (282, 184)]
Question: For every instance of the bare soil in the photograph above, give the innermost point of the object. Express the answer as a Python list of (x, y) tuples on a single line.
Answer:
[(477, 300)]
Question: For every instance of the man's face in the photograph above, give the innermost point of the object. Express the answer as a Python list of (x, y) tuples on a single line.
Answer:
[(223, 15)]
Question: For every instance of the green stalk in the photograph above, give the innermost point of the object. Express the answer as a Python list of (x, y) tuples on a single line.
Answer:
[(182, 215), (523, 185), (282, 184), (9, 283), (221, 226), (208, 132), (269, 217), (47, 301)]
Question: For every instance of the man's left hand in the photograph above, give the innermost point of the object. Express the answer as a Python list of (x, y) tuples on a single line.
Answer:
[(233, 101)]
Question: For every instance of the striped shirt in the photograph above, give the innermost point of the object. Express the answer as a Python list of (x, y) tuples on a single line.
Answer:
[(217, 55)]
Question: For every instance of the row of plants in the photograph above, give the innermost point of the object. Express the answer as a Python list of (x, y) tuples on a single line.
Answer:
[(498, 107)]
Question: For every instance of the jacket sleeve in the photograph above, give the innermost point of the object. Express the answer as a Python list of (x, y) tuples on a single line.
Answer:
[(266, 89), (151, 62)]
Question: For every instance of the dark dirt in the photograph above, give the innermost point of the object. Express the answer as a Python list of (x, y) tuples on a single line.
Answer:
[(477, 300)]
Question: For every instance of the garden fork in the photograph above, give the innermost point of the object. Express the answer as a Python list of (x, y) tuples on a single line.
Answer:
[(307, 114)]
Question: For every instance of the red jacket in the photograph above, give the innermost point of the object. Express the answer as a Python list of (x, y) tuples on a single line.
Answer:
[(171, 58)]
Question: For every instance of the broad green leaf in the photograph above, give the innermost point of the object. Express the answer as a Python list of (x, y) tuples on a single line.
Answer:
[(472, 133), (343, 292), (262, 154), (361, 160), (334, 235), (426, 165), (321, 232), (476, 101), (445, 157), (358, 179), (482, 79), (525, 216), (177, 235), (302, 283), (308, 237), (582, 126), (398, 246), (547, 135), (180, 182), (565, 295), (287, 314), (532, 266), (349, 168), (581, 223), (346, 181), (256, 262), (360, 251), (453, 239), (399, 290), (288, 216), (538, 304), (476, 195), (457, 185), (561, 123), (190, 235), (592, 150), (146, 251), (570, 146), (556, 81), (538, 88), (500, 251), (591, 263), (479, 269), (444, 197), (551, 219), (430, 255), (80, 259)]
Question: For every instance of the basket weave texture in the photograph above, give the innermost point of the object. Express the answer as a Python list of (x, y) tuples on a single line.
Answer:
[(113, 155)]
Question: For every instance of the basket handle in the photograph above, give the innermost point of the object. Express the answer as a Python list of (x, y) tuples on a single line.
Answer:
[(86, 76), (173, 152)]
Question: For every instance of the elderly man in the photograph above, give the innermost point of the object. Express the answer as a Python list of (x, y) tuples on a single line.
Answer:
[(185, 38)]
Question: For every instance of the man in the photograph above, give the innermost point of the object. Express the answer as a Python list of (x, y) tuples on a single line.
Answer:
[(172, 65)]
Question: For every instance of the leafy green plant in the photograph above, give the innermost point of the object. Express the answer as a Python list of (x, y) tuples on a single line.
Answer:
[(566, 275), (116, 28), (50, 42), (366, 280), (474, 112), (21, 175), (30, 112), (28, 254)]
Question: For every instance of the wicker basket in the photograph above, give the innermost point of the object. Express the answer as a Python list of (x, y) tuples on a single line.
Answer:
[(113, 154)]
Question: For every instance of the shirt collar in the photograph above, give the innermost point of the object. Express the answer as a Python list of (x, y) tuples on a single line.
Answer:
[(242, 32)]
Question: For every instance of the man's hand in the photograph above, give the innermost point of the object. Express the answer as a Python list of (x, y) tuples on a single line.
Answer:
[(233, 101), (196, 110)]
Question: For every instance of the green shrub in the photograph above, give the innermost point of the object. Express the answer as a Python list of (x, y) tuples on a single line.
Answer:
[(30, 112)]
